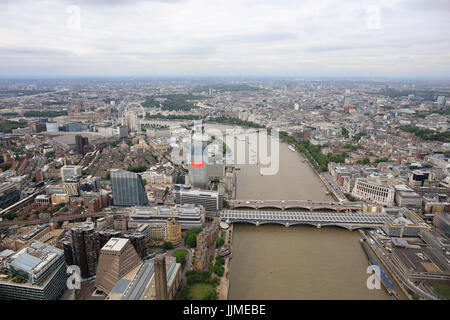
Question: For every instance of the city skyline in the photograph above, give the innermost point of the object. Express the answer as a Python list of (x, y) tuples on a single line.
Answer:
[(361, 181), (392, 39), (246, 150)]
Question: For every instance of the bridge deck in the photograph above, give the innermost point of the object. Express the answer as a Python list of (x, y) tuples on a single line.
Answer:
[(295, 203), (305, 216)]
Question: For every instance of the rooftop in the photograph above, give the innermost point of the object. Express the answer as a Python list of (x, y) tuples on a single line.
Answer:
[(115, 244), (34, 259)]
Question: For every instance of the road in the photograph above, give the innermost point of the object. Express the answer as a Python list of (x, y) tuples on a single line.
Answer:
[(331, 185), (188, 265)]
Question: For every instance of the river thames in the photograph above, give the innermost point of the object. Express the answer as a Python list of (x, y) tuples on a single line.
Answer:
[(299, 262)]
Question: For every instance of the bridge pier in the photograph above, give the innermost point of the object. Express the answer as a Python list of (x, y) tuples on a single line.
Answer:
[(257, 223), (287, 225), (319, 226)]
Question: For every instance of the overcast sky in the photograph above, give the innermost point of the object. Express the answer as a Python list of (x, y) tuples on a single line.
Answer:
[(392, 38)]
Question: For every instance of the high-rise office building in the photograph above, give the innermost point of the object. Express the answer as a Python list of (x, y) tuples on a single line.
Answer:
[(198, 168), (133, 121), (108, 107), (105, 235), (9, 194), (128, 188), (68, 252), (82, 144), (429, 96), (139, 242), (86, 248)]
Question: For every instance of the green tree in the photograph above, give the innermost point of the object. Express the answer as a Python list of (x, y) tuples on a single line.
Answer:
[(7, 126), (359, 135), (219, 270), (364, 161), (220, 261), (167, 245), (137, 169), (220, 242), (191, 237), (344, 132), (10, 215), (197, 276), (5, 166), (384, 159), (180, 256), (427, 134), (50, 154), (185, 294)]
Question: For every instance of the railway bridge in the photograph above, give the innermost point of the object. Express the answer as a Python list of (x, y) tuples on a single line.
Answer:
[(350, 221)]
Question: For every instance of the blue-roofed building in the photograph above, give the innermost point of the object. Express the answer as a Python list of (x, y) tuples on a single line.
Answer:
[(35, 272)]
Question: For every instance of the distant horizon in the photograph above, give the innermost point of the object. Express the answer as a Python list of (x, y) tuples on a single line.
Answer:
[(228, 78)]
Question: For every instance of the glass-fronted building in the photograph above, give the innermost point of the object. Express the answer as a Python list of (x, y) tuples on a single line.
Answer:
[(128, 188), (9, 194)]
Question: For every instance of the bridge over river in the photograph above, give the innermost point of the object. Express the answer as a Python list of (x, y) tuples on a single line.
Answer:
[(349, 221), (298, 205)]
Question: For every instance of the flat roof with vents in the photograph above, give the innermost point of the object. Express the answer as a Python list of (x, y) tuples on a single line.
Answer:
[(115, 244)]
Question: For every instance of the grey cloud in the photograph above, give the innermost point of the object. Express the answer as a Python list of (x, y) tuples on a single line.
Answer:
[(186, 51), (259, 37), (34, 51), (282, 36), (427, 5), (117, 2), (348, 45)]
